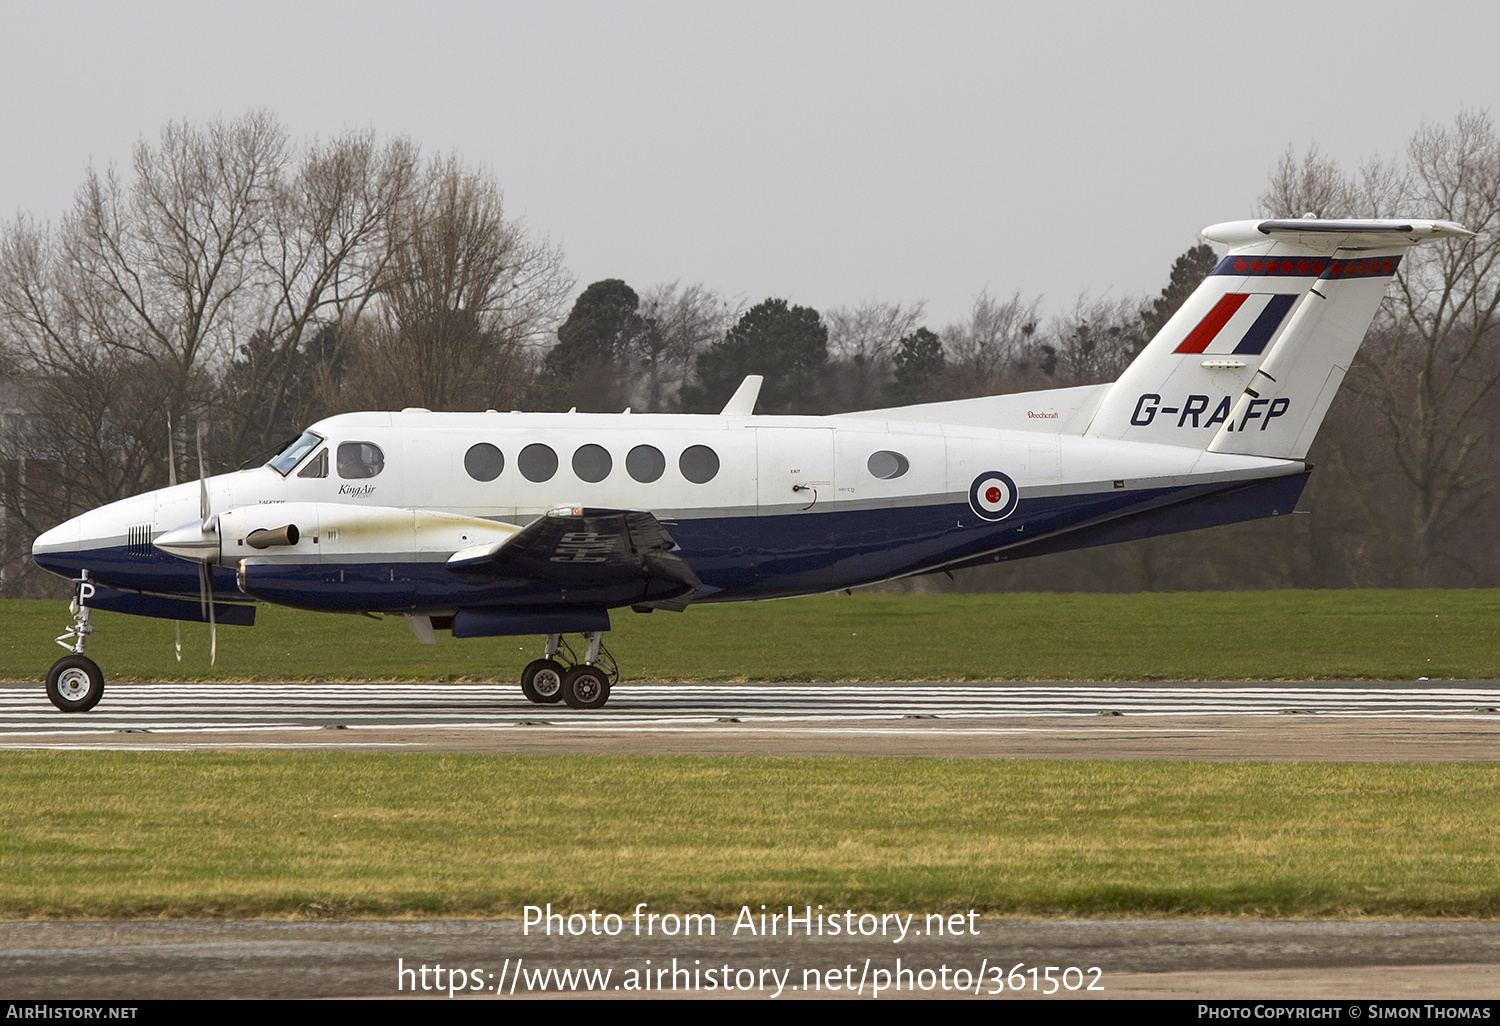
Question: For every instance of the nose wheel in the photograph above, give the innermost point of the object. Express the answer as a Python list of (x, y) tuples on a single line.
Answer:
[(562, 677), (75, 683)]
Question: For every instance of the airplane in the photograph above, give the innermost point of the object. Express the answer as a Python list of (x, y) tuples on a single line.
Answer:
[(494, 524)]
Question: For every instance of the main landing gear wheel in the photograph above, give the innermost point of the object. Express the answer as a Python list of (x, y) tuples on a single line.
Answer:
[(542, 681), (75, 683), (585, 687)]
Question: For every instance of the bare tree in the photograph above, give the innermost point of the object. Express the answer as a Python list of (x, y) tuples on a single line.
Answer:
[(322, 256), (1428, 373), (228, 277), (862, 346), (120, 316), (986, 347), (1093, 342), (468, 296), (1313, 184), (680, 321)]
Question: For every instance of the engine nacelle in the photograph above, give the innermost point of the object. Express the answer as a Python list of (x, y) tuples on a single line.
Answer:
[(316, 532)]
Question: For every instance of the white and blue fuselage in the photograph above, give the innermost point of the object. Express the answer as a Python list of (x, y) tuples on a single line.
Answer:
[(759, 507)]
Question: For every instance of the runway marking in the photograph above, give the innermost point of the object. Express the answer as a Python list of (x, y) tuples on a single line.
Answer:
[(24, 710)]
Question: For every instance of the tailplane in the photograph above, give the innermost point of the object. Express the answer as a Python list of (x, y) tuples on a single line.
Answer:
[(1251, 361)]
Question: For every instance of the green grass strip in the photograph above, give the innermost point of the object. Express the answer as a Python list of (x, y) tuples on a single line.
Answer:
[(314, 834), (1278, 635)]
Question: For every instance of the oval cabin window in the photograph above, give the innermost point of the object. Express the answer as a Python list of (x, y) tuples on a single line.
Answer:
[(645, 463), (886, 464), (699, 464), (537, 462), (592, 463), (483, 462)]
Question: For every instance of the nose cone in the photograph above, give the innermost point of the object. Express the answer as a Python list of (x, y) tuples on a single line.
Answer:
[(96, 539), (57, 550)]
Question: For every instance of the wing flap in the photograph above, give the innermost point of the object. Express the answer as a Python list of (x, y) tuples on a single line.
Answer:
[(581, 548)]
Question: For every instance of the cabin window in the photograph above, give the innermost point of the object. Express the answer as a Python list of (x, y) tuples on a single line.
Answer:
[(360, 460), (699, 464), (484, 462), (284, 461), (886, 464), (537, 462), (645, 463), (316, 467), (592, 463)]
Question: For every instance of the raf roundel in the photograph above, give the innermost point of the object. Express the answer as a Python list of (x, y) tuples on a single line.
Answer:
[(993, 495)]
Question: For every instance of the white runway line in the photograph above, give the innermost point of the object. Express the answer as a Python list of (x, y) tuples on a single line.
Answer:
[(196, 707)]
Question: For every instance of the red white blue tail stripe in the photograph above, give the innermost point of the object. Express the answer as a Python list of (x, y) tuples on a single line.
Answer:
[(1240, 323)]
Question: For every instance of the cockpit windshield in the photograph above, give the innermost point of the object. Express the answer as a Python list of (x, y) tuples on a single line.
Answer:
[(284, 461)]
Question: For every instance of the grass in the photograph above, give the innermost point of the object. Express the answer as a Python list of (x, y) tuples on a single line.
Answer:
[(158, 834), (282, 834), (1278, 635)]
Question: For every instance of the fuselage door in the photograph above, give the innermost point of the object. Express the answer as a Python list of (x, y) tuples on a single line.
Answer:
[(796, 530)]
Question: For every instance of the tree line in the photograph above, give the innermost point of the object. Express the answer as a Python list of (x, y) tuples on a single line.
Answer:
[(235, 284)]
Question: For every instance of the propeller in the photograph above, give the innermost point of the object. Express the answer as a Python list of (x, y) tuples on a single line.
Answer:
[(205, 569), (200, 543), (172, 480)]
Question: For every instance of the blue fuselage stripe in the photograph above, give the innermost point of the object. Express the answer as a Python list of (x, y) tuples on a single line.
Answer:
[(737, 558)]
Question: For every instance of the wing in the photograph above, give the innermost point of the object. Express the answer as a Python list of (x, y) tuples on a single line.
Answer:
[(591, 550)]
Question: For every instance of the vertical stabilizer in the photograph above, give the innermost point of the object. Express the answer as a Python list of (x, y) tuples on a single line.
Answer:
[(1251, 361)]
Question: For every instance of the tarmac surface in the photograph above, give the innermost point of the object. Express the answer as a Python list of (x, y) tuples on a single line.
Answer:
[(1184, 959), (1328, 721), (1189, 959)]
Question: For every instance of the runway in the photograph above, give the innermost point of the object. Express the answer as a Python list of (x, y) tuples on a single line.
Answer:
[(1339, 720), (1108, 960)]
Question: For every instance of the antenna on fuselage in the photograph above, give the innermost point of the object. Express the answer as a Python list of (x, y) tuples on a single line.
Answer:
[(742, 403)]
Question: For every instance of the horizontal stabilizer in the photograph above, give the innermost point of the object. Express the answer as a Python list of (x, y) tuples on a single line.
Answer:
[(1374, 232)]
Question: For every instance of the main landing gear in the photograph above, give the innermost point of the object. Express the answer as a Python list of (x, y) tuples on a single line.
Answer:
[(75, 683), (560, 677)]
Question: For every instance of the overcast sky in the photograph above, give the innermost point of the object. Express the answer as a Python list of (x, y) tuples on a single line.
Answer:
[(828, 153)]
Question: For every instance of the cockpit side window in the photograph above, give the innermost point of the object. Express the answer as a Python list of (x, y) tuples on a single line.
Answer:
[(360, 459), (284, 461), (316, 467)]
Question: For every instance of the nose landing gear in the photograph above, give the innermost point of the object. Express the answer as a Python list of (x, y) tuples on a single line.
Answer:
[(75, 683), (560, 677)]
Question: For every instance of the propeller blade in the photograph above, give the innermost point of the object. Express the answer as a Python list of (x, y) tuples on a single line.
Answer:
[(206, 598), (202, 479), (172, 480), (171, 454), (206, 578)]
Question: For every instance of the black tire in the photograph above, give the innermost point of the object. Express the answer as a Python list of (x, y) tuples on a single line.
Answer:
[(75, 684), (585, 687), (542, 681)]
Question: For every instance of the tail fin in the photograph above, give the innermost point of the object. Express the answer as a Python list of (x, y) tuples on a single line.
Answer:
[(1252, 360)]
